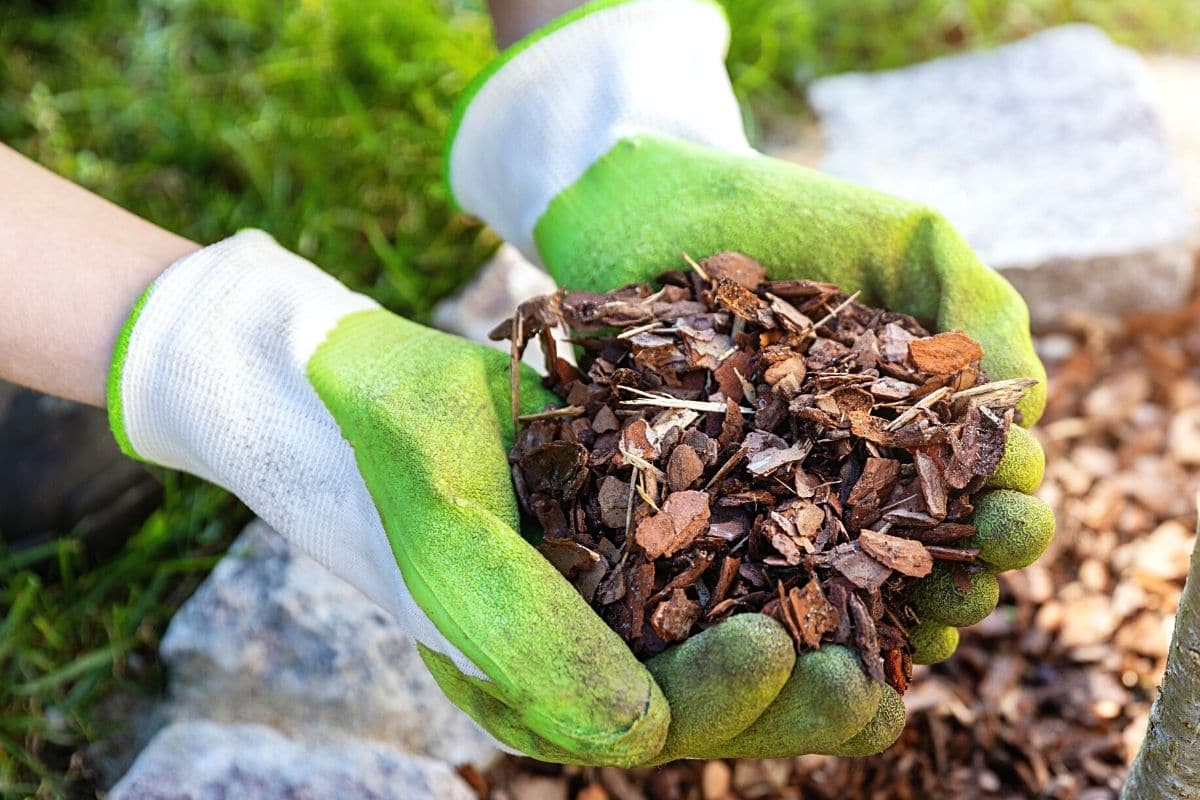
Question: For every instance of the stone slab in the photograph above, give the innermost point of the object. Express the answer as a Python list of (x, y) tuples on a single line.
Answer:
[(1047, 154), (272, 637), (209, 761)]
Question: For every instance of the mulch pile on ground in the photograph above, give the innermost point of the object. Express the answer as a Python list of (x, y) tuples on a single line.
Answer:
[(734, 444), (1048, 697)]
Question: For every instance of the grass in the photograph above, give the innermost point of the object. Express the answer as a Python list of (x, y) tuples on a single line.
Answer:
[(322, 122), (72, 635)]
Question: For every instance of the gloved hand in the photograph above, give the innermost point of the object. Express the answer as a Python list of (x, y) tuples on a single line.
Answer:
[(379, 448), (610, 142)]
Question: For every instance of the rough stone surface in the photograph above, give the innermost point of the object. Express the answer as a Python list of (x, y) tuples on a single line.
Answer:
[(272, 637), (209, 761), (1046, 154)]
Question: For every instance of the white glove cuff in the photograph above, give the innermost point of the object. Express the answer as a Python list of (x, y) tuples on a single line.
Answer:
[(210, 376), (561, 100), (224, 335)]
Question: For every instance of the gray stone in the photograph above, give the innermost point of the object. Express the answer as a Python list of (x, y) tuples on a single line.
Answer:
[(209, 761), (1046, 154), (272, 637)]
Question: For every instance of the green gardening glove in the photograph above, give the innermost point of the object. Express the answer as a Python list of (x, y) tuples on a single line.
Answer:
[(380, 448), (609, 143)]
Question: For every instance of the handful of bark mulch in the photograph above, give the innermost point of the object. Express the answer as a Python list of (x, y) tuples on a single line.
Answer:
[(734, 444)]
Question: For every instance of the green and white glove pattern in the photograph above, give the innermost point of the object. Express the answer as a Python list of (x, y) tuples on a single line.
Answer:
[(379, 447), (610, 142)]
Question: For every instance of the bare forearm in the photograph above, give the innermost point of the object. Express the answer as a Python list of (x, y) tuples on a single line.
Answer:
[(72, 264), (71, 267), (513, 19)]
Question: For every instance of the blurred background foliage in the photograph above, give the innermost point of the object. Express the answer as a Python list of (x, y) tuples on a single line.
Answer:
[(322, 122)]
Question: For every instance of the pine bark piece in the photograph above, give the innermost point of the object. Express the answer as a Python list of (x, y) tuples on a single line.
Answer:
[(674, 617), (868, 642), (727, 375), (792, 368), (906, 556), (785, 544), (771, 459), (933, 484), (683, 517), (729, 570), (815, 616), (806, 516), (743, 303), (704, 348), (605, 421), (944, 533), (635, 438), (614, 499), (656, 534), (877, 479), (556, 468), (737, 267), (684, 468), (897, 666), (890, 389), (736, 444), (944, 353), (861, 569)]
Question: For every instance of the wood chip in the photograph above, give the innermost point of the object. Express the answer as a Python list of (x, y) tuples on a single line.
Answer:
[(673, 618), (944, 353), (736, 267), (684, 516), (684, 468), (814, 614), (743, 445), (861, 569), (906, 556)]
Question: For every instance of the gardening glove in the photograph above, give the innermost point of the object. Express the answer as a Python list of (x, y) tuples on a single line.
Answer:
[(609, 143), (379, 448)]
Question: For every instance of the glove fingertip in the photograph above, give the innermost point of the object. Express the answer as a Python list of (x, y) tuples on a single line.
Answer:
[(1023, 465), (880, 733), (721, 680), (1012, 529), (932, 642), (939, 597)]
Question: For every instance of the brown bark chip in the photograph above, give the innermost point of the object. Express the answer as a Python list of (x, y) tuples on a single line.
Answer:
[(683, 517), (674, 617), (745, 445), (737, 267), (906, 556), (684, 468), (859, 568), (944, 353), (814, 614)]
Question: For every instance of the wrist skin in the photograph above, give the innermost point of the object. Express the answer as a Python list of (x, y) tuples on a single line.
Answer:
[(515, 19), (72, 265)]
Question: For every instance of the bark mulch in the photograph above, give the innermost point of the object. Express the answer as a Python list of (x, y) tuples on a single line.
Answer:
[(1047, 697), (730, 444)]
